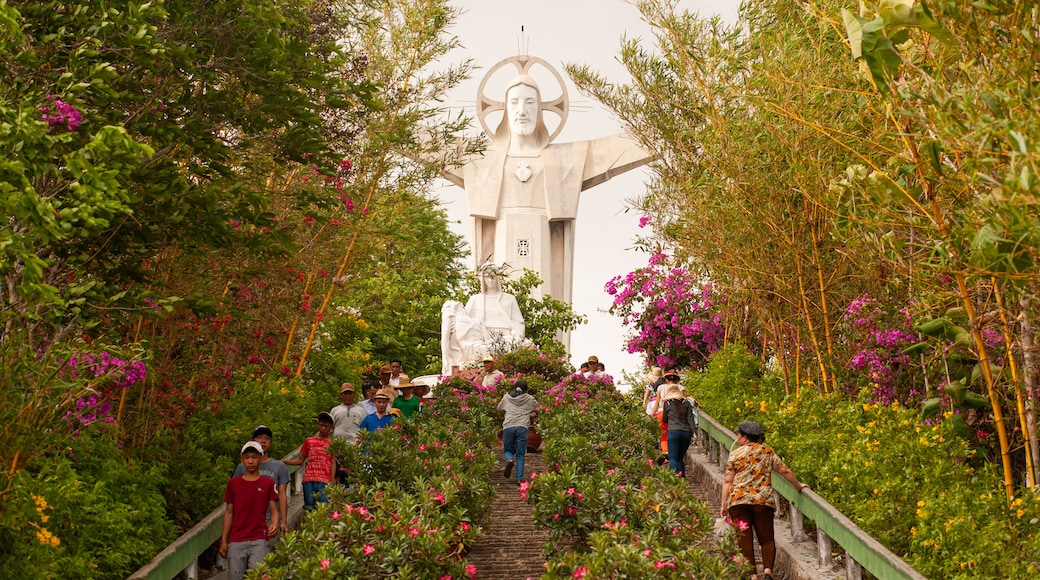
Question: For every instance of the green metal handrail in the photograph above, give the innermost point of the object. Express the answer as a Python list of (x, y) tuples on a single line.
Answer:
[(185, 550), (861, 547)]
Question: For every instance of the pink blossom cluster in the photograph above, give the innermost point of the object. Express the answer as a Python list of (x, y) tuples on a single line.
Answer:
[(671, 314), (89, 410), (123, 373), (880, 340), (61, 113)]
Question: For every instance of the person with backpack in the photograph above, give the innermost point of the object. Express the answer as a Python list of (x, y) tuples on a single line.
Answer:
[(678, 415)]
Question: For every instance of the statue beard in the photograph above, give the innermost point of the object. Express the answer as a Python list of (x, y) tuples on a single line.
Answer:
[(523, 129)]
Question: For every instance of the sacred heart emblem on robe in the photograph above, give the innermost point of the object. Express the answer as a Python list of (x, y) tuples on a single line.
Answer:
[(523, 173)]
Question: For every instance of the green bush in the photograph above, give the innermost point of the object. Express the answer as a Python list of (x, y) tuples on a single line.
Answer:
[(916, 486), (88, 510)]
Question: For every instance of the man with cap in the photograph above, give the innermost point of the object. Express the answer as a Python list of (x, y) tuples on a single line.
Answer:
[(385, 372), (519, 406), (490, 375), (382, 417), (245, 533), (747, 494), (271, 469), (347, 415)]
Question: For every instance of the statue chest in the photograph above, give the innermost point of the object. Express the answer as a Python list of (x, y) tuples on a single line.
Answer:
[(523, 183)]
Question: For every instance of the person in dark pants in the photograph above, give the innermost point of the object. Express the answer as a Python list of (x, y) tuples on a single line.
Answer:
[(519, 405), (747, 494), (681, 422)]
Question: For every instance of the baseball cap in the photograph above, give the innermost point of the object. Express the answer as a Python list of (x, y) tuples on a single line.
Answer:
[(346, 387), (252, 446)]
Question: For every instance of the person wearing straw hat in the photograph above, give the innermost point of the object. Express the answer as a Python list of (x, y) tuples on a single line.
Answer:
[(679, 420), (382, 417), (747, 494), (407, 402), (650, 387)]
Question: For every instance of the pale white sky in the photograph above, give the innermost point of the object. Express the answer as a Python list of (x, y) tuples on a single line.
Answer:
[(574, 32)]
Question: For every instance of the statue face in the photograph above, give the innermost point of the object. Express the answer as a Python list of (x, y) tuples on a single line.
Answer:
[(492, 283), (522, 107)]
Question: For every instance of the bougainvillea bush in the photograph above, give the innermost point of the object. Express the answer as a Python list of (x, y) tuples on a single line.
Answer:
[(610, 510), (419, 491), (916, 485), (671, 313)]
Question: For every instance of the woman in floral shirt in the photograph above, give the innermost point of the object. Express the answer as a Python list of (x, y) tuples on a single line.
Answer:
[(747, 494)]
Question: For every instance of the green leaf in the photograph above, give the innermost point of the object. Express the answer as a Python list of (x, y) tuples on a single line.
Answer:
[(931, 408)]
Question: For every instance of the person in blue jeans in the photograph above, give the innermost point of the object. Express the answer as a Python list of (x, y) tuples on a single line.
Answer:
[(519, 405), (681, 420)]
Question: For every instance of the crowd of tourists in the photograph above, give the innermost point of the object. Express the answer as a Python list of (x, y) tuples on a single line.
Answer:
[(256, 496)]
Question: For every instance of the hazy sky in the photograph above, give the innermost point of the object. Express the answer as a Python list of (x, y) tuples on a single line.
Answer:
[(573, 32)]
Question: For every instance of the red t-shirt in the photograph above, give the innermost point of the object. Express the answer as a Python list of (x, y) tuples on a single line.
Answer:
[(319, 462), (249, 500)]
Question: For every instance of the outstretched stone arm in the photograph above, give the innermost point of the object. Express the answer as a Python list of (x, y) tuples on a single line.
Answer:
[(611, 156)]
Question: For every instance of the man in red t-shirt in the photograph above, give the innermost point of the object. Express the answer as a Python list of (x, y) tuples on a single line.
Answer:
[(320, 467), (243, 539)]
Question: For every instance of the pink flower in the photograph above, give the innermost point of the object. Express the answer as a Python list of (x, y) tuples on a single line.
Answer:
[(413, 532), (64, 113), (368, 549), (644, 221), (439, 498), (471, 570), (580, 572), (325, 563), (335, 515)]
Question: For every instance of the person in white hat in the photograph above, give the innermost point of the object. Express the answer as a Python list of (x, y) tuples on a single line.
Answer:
[(248, 498)]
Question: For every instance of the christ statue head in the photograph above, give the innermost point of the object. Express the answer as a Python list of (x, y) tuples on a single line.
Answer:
[(523, 114)]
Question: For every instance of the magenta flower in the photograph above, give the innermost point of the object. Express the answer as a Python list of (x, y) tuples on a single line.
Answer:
[(59, 112)]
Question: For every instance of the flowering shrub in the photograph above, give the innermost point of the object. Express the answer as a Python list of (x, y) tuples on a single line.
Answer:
[(529, 360), (880, 338), (397, 519), (610, 510), (89, 510), (381, 531), (670, 313), (60, 113)]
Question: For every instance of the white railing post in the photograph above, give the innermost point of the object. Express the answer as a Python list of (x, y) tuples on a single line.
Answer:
[(192, 571), (824, 548), (797, 525), (853, 569)]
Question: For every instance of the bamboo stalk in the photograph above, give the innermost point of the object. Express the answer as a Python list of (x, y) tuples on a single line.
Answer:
[(809, 324), (1019, 403), (296, 320), (998, 415)]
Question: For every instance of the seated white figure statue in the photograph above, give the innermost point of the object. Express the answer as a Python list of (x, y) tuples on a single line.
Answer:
[(462, 338), (498, 311)]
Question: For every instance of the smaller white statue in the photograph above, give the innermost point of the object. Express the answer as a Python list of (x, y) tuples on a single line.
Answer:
[(497, 310), (490, 317)]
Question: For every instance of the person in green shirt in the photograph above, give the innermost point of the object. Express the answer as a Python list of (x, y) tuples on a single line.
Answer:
[(407, 402)]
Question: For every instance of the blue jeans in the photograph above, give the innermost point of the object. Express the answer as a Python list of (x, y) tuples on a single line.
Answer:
[(313, 492), (514, 442), (678, 444)]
